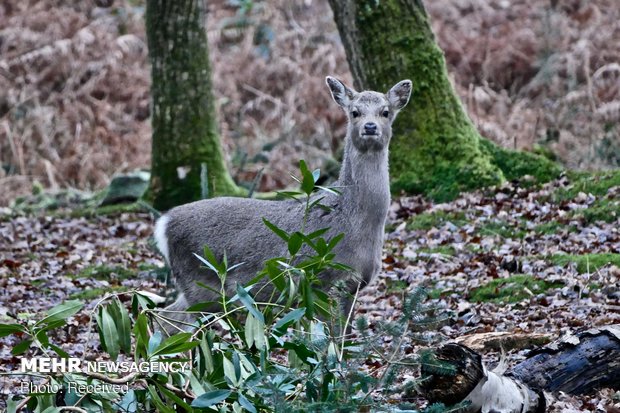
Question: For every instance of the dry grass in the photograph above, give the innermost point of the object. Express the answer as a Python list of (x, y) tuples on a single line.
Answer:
[(269, 66), (74, 100), (539, 72), (74, 83)]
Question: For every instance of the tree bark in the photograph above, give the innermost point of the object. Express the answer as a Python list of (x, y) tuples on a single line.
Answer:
[(575, 364), (184, 121), (436, 150)]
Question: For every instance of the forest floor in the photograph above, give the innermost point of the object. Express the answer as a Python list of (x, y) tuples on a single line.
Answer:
[(533, 261), (75, 84)]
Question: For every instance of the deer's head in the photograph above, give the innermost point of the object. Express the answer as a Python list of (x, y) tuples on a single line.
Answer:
[(370, 114)]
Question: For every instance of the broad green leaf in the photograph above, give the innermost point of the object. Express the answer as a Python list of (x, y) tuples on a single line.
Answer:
[(229, 371), (41, 336), (180, 402), (139, 302), (317, 332), (248, 365), (316, 174), (332, 350), (291, 317), (260, 340), (205, 306), (224, 263), (232, 267), (197, 386), (325, 208), (316, 201), (123, 325), (246, 404), (300, 350), (21, 347), (110, 334), (278, 231), (236, 365), (307, 181), (210, 256), (332, 191), (341, 267), (210, 398), (178, 348), (207, 263), (62, 311), (307, 296), (6, 329), (161, 406), (291, 292), (321, 246), (294, 195), (11, 405), (45, 403), (100, 330), (295, 242), (249, 330), (205, 349), (59, 351), (153, 298), (129, 402), (208, 287), (155, 341), (334, 241), (317, 233), (177, 343), (311, 392), (140, 330), (275, 274), (248, 302), (124, 329), (328, 380), (51, 325)]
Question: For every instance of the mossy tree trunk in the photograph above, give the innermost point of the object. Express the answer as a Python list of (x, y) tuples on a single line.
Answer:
[(185, 134), (436, 149)]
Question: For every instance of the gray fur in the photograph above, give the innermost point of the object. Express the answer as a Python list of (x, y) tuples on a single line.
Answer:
[(234, 225)]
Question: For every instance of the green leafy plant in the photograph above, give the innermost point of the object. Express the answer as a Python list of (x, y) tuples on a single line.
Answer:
[(289, 353)]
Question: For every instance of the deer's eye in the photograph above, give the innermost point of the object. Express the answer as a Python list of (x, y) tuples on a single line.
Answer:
[(355, 113), (385, 113)]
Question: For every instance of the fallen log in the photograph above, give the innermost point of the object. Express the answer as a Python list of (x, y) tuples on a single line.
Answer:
[(576, 364), (503, 340)]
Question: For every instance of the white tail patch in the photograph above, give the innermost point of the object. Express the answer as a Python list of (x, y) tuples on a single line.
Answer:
[(160, 236)]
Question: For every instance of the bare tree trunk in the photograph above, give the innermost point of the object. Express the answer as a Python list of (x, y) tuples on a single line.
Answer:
[(183, 110), (436, 149)]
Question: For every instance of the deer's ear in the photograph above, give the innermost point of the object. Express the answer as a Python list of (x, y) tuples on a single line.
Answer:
[(399, 95), (340, 92)]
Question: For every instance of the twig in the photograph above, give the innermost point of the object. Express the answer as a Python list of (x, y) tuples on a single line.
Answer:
[(344, 336), (22, 404), (121, 380)]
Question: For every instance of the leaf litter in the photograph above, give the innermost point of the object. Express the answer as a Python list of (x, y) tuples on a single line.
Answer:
[(500, 237)]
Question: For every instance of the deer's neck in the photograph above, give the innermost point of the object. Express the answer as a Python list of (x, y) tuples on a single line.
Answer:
[(365, 185)]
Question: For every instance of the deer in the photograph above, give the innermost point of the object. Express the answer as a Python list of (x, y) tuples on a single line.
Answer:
[(235, 227)]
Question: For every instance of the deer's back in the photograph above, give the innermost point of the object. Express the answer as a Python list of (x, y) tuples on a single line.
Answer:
[(235, 226)]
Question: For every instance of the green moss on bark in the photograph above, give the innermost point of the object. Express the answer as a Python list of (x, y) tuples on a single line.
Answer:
[(184, 123), (515, 164), (436, 150)]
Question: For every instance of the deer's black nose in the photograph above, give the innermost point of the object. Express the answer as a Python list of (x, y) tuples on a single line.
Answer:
[(370, 128)]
